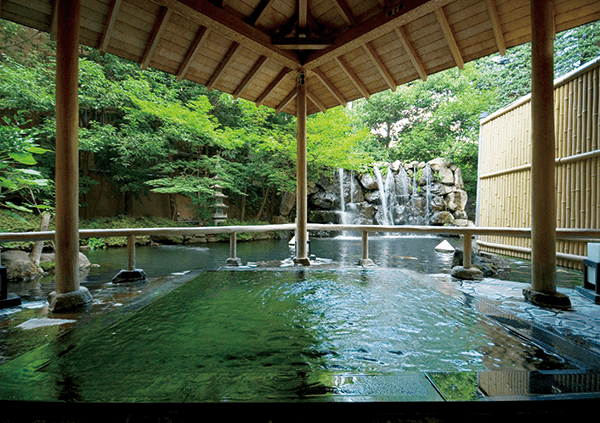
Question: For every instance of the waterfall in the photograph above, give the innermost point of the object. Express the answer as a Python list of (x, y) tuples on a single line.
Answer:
[(342, 199), (428, 178), (414, 195), (345, 216), (390, 190), (352, 188), (402, 186), (382, 194)]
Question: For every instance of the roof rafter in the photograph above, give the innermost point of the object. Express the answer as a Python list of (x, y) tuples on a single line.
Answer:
[(302, 17), (353, 77), (495, 18), (260, 11), (286, 101), (108, 29), (159, 27), (449, 35), (389, 79), (229, 56), (260, 63), (372, 28), (345, 11), (204, 13), (316, 101), (272, 86), (200, 39), (330, 87), (412, 54)]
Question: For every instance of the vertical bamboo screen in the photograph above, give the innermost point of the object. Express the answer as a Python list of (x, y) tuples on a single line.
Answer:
[(504, 197)]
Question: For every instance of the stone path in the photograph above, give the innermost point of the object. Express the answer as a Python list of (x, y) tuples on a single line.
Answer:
[(581, 324)]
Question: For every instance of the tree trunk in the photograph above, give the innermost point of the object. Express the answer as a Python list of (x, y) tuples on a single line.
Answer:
[(243, 206), (39, 245), (262, 206)]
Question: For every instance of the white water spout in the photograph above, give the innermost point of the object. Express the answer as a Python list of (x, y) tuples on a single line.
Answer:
[(402, 186), (342, 199), (345, 216), (382, 194), (429, 178)]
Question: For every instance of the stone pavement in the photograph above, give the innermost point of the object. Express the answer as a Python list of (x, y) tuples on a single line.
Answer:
[(505, 301)]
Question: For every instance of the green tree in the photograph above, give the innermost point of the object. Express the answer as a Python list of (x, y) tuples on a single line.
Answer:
[(435, 118), (20, 182), (512, 72)]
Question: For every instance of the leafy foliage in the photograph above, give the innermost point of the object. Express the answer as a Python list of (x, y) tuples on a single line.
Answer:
[(18, 177)]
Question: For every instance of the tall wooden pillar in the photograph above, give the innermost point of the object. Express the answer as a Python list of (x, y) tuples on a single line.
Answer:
[(543, 208), (301, 170), (68, 293)]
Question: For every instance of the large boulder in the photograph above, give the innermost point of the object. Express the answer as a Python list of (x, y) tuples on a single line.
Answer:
[(19, 266), (373, 197), (458, 179), (323, 200), (441, 218), (457, 200), (288, 200), (367, 181)]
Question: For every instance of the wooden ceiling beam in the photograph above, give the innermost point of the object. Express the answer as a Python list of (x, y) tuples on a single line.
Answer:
[(205, 13), (159, 27), (330, 87), (302, 17), (260, 63), (108, 29), (53, 25), (385, 74), (495, 18), (259, 101), (260, 11), (229, 56), (200, 40), (372, 28), (412, 54), (345, 11), (449, 35), (286, 101), (353, 77), (316, 101)]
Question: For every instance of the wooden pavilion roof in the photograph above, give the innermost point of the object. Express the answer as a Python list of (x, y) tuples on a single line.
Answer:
[(350, 49)]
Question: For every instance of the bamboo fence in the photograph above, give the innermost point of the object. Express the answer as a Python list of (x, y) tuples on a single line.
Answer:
[(504, 192)]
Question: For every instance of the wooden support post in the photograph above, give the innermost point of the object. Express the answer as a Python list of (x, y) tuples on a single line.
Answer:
[(131, 274), (68, 293), (543, 205), (467, 246), (365, 260), (131, 252), (301, 170), (233, 260)]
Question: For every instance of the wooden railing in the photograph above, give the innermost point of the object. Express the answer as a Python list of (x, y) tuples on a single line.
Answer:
[(467, 234)]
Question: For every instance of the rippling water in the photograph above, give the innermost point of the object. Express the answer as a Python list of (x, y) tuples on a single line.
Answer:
[(250, 335)]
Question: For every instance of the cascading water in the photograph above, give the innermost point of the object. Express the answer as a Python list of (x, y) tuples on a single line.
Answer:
[(342, 199), (402, 187), (414, 195), (345, 217), (407, 195), (390, 191), (428, 180), (384, 207)]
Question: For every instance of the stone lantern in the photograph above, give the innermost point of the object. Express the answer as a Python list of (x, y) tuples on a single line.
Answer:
[(219, 206)]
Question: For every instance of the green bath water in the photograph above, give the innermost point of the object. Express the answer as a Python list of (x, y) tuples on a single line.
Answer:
[(276, 335)]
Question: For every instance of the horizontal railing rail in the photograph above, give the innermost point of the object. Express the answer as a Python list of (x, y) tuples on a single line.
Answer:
[(466, 232)]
